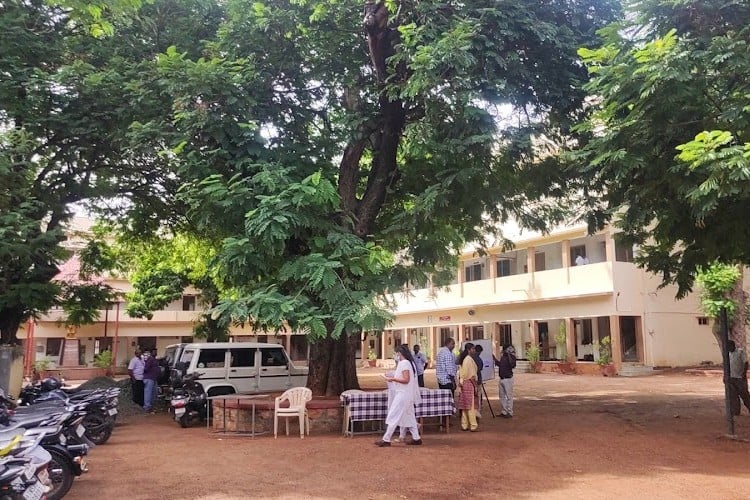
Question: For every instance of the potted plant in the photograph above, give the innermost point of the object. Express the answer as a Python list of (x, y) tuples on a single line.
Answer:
[(372, 358), (40, 368), (103, 360), (562, 362), (605, 357), (532, 355)]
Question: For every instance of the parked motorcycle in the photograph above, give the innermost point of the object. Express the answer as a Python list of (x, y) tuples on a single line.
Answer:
[(23, 466), (61, 435), (188, 400), (100, 405)]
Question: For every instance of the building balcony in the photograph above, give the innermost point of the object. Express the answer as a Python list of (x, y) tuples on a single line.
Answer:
[(56, 316), (600, 278)]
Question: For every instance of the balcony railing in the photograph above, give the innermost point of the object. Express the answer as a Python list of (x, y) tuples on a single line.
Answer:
[(576, 281), (111, 316)]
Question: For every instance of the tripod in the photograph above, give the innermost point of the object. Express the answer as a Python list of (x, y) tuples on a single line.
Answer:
[(487, 398)]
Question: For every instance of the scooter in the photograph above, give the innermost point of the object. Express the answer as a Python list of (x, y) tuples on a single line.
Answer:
[(188, 400)]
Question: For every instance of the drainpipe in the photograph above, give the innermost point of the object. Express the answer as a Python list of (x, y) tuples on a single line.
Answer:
[(117, 332), (28, 362)]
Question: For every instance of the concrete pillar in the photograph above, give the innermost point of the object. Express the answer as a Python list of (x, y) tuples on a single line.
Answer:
[(530, 260), (534, 325), (566, 254), (570, 340), (492, 262), (383, 339), (460, 278), (433, 345), (614, 332), (609, 247)]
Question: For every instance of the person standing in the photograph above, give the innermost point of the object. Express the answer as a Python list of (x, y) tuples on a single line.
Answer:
[(737, 379), (402, 411), (505, 366), (135, 370), (480, 364), (420, 361), (150, 374), (467, 377), (445, 366)]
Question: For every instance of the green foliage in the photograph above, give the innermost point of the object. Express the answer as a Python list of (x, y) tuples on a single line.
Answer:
[(103, 359), (717, 282), (42, 365), (68, 105), (605, 351), (666, 152), (371, 355), (561, 334), (533, 353), (560, 339), (82, 302)]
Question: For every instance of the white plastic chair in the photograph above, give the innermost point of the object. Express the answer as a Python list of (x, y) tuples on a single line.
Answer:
[(297, 398)]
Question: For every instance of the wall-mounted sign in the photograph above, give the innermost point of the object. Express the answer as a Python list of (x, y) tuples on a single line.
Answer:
[(445, 318)]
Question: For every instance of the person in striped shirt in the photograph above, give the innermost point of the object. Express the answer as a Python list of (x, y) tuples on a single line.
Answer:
[(445, 367)]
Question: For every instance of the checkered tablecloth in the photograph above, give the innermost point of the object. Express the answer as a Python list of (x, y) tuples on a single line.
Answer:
[(374, 405)]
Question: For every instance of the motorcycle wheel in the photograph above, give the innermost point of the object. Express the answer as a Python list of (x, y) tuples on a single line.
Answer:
[(97, 428), (185, 421), (99, 435), (60, 474)]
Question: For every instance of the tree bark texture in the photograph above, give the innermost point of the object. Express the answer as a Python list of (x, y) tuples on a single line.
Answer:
[(332, 361), (333, 366), (10, 322), (738, 295)]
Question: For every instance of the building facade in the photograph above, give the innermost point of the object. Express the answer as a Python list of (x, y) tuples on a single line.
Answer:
[(585, 285)]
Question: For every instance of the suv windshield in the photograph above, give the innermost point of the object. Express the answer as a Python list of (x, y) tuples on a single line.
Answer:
[(170, 355), (187, 357)]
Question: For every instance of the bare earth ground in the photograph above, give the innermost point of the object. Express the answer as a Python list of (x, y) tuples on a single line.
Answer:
[(657, 437)]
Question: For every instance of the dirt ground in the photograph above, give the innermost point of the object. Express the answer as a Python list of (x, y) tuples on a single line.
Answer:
[(658, 437)]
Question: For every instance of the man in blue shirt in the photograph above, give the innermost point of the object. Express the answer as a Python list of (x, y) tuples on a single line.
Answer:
[(445, 366)]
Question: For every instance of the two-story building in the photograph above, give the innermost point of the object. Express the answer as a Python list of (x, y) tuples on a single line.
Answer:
[(587, 283)]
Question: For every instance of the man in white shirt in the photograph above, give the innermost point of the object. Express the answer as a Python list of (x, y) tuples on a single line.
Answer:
[(737, 379), (420, 361), (135, 370)]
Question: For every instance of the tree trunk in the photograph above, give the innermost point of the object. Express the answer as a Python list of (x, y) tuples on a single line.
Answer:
[(10, 322), (737, 324), (333, 366)]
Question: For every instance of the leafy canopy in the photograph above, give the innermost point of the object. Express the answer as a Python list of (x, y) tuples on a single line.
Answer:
[(666, 151)]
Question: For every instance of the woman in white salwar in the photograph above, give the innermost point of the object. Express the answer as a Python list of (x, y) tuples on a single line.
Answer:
[(401, 412)]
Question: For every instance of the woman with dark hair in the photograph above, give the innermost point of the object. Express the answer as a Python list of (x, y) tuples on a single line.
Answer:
[(467, 379), (401, 412)]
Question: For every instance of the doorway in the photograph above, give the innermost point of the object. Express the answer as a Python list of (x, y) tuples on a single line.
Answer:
[(629, 338), (543, 329)]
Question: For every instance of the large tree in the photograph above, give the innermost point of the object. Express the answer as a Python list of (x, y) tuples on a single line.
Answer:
[(332, 159), (668, 150), (67, 99)]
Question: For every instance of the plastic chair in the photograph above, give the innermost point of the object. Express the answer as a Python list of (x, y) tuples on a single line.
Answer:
[(297, 398)]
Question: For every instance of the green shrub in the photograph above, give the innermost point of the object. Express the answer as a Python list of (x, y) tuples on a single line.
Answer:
[(103, 359)]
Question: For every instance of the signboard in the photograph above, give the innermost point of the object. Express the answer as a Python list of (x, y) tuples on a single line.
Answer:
[(488, 365)]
